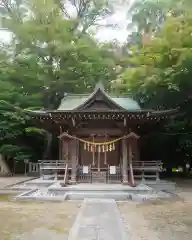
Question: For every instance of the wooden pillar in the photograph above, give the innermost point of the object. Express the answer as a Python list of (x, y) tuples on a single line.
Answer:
[(124, 158), (132, 181), (77, 152), (65, 150), (73, 160)]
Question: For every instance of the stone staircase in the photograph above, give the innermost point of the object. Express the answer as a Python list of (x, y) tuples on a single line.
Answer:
[(99, 177)]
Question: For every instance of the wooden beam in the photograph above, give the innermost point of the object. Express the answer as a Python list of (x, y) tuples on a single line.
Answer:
[(89, 131), (73, 121), (125, 122)]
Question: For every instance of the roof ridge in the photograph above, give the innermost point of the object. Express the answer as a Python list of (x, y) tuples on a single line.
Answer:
[(76, 95), (108, 93), (121, 96)]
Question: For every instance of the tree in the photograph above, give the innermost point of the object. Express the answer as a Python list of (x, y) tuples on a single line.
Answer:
[(61, 56), (50, 53), (148, 16), (160, 77)]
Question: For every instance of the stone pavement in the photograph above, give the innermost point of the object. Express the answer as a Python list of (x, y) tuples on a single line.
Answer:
[(6, 181), (99, 220)]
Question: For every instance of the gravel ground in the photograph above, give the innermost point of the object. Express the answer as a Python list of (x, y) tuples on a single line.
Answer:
[(158, 220), (34, 220)]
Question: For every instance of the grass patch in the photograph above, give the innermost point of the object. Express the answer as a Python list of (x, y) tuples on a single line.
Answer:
[(56, 229), (5, 197)]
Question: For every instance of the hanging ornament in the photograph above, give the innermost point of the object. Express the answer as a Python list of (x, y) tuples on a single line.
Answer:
[(110, 147), (91, 148), (95, 148), (103, 148), (105, 154), (107, 147), (93, 151), (113, 146), (85, 146), (99, 148)]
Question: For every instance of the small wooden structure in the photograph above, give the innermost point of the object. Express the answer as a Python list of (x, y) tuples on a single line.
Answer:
[(99, 137)]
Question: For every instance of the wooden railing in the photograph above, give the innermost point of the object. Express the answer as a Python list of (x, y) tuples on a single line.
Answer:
[(33, 167), (147, 165), (53, 168), (138, 170), (53, 164), (147, 170)]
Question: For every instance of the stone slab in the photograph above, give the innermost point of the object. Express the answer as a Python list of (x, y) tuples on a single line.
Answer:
[(99, 219), (100, 187), (117, 196)]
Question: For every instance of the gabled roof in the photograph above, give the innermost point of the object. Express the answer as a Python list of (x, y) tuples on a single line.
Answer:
[(79, 101), (115, 106), (72, 101)]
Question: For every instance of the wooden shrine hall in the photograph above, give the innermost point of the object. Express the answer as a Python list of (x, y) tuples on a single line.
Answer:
[(98, 137)]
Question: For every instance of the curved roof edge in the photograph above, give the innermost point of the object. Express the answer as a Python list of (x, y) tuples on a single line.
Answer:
[(149, 112)]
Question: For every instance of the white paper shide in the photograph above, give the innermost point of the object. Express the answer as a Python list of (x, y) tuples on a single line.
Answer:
[(85, 169), (112, 169)]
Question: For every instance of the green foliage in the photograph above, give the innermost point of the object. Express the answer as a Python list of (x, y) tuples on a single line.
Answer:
[(162, 66), (12, 125), (19, 153), (160, 76), (51, 52), (148, 16)]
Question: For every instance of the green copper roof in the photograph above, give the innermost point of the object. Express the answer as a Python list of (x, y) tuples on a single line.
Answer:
[(126, 103), (70, 102)]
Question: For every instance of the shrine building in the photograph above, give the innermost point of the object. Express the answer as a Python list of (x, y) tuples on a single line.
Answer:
[(98, 138)]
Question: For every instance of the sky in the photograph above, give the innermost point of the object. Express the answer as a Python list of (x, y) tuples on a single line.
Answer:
[(103, 34), (120, 34)]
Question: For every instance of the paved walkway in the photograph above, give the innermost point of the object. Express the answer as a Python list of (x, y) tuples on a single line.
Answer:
[(99, 220)]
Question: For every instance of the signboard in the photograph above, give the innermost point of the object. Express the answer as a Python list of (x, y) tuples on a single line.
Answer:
[(85, 169), (112, 170)]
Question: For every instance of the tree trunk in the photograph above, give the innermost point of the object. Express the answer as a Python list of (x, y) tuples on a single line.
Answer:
[(4, 168)]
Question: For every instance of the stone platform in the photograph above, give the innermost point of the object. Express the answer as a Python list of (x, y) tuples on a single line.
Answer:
[(53, 190)]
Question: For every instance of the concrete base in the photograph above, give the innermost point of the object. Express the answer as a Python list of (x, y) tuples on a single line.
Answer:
[(162, 185), (125, 183), (72, 182)]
